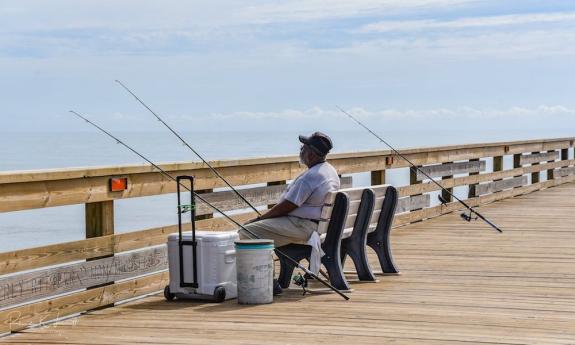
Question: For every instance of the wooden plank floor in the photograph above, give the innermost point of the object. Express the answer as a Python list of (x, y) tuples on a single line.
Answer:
[(461, 283)]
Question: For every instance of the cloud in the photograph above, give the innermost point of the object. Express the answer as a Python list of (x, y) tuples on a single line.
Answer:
[(320, 114), (524, 44), (311, 10), (465, 23)]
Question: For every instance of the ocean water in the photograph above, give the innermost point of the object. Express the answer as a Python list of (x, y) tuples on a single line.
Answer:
[(38, 150)]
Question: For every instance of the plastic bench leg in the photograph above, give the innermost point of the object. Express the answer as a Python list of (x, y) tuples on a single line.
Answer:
[(355, 249), (332, 262), (382, 249)]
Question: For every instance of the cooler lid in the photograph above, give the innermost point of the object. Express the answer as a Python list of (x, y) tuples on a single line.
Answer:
[(206, 236)]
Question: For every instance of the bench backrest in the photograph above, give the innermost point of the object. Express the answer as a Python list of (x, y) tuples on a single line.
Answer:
[(386, 201), (379, 194), (353, 196)]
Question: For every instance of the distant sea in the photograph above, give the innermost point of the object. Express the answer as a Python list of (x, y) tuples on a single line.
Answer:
[(38, 150)]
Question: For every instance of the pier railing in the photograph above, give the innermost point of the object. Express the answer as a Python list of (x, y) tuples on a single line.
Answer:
[(54, 281)]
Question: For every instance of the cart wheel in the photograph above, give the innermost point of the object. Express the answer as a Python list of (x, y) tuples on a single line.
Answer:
[(220, 294), (167, 294)]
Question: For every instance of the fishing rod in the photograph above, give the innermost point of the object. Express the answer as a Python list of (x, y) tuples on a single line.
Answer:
[(188, 146), (414, 168), (195, 152), (164, 173)]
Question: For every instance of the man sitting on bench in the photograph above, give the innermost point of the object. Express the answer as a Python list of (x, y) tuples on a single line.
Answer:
[(296, 216)]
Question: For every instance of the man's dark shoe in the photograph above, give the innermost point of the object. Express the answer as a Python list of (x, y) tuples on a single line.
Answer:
[(277, 288)]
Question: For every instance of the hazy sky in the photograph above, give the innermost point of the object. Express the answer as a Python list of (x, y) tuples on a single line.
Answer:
[(239, 65)]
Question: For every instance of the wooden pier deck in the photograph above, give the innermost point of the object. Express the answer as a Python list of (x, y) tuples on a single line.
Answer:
[(461, 283)]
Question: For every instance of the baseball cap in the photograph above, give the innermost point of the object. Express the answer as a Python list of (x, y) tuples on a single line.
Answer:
[(318, 141)]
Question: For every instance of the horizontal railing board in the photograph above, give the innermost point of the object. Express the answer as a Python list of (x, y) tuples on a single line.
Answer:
[(412, 203), (538, 157), (404, 205), (57, 188), (19, 318), (497, 186), (25, 287), (450, 169), (178, 168), (566, 171)]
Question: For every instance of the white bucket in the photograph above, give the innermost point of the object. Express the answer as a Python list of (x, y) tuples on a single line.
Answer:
[(255, 271)]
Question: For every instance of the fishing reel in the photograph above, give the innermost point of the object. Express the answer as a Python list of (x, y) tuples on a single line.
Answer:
[(185, 208), (301, 280), (468, 217)]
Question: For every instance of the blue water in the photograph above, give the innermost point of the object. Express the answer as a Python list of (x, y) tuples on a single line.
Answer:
[(26, 151)]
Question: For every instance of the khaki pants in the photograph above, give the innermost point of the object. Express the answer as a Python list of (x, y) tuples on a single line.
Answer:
[(283, 230)]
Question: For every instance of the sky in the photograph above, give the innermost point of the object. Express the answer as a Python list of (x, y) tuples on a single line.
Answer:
[(286, 65)]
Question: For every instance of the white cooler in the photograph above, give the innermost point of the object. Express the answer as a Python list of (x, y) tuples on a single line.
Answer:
[(216, 266)]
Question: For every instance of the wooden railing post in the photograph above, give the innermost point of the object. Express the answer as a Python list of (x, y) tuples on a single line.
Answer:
[(517, 160), (412, 181), (550, 174), (564, 154), (445, 193), (100, 222), (473, 187), (99, 219), (377, 177), (535, 177)]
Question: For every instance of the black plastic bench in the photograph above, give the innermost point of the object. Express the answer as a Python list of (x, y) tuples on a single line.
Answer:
[(345, 227)]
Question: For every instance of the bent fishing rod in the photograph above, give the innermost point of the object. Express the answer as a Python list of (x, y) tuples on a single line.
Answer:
[(414, 168), (165, 174), (188, 146)]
